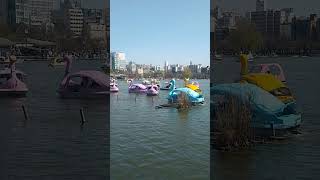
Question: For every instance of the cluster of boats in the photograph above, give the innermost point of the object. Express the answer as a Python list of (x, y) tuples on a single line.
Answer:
[(263, 87), (80, 84), (93, 84), (152, 88)]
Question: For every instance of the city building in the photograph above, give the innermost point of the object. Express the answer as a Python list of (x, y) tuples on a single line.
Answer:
[(300, 28), (118, 61), (260, 5), (29, 12), (140, 70), (94, 24), (195, 68), (40, 11), (74, 20), (22, 12), (286, 15), (95, 31), (226, 23), (132, 67), (267, 23), (3, 11)]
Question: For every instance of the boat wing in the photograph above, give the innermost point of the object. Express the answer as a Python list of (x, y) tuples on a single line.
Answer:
[(260, 98), (267, 82)]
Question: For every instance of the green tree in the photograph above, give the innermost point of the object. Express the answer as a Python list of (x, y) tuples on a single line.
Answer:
[(187, 73), (245, 36)]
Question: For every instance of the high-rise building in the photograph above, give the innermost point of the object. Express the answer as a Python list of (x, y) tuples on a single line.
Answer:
[(3, 11), (260, 5), (40, 11), (94, 23), (29, 12), (74, 20), (23, 12), (267, 23), (118, 61), (132, 67)]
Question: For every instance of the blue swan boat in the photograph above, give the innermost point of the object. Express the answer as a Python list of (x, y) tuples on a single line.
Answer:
[(267, 111), (174, 93)]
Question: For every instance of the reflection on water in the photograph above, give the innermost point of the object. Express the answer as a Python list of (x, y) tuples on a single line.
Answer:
[(295, 158), (52, 144), (183, 114), (150, 143)]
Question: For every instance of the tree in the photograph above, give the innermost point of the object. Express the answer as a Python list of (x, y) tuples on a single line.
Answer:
[(245, 36), (187, 73)]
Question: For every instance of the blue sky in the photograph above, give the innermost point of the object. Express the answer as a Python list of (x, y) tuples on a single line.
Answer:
[(150, 31)]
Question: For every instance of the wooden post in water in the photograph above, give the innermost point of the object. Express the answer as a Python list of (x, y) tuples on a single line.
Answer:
[(135, 99), (117, 97), (26, 117), (273, 130), (83, 118)]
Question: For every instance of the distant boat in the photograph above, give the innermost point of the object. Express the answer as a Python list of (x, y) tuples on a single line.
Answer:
[(114, 86), (250, 57), (4, 60), (273, 55), (57, 61), (166, 86), (146, 82), (153, 90), (218, 57), (271, 68), (137, 88), (12, 82)]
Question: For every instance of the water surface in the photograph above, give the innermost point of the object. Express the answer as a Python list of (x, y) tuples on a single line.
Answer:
[(149, 143), (52, 144)]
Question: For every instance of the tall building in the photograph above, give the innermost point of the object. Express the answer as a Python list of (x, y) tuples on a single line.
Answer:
[(166, 66), (118, 61), (132, 67), (260, 5), (74, 20), (94, 23), (195, 68), (267, 23), (29, 12), (299, 27), (3, 11), (23, 12)]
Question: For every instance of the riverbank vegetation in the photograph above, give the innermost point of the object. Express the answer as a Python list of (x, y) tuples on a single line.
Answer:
[(231, 124)]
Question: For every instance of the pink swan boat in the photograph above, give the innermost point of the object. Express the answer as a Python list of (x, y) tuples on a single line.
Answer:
[(83, 84), (272, 68), (114, 86), (12, 82), (137, 88), (153, 90)]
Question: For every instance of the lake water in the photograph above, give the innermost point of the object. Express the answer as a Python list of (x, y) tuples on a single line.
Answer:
[(295, 158), (149, 143), (52, 144)]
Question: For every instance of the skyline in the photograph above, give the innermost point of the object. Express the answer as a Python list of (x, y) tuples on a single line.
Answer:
[(155, 32), (301, 8)]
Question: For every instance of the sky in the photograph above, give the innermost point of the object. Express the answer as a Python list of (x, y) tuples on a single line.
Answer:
[(152, 32), (300, 7)]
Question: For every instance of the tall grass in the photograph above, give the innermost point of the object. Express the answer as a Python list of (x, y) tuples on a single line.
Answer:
[(183, 101), (232, 124)]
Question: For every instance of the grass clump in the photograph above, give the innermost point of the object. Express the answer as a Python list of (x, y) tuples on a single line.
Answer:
[(183, 101), (231, 124)]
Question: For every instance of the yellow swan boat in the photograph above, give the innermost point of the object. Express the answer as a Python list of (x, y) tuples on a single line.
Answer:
[(193, 86), (268, 82)]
